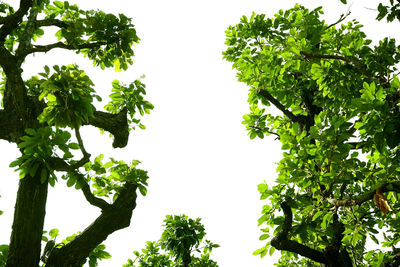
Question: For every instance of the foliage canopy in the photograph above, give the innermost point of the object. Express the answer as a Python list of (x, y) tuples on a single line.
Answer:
[(181, 238), (339, 125)]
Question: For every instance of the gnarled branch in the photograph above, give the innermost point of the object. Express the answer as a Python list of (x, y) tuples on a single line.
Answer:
[(46, 48), (118, 216), (116, 124), (51, 22), (12, 21), (282, 242)]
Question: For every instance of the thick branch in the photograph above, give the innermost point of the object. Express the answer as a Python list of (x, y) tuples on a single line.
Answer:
[(116, 124), (26, 37), (12, 21), (110, 220), (51, 22), (394, 186), (46, 48), (282, 242), (92, 199)]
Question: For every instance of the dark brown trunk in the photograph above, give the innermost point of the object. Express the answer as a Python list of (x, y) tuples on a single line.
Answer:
[(27, 229)]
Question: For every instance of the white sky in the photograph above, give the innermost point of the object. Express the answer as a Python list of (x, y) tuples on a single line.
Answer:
[(199, 157)]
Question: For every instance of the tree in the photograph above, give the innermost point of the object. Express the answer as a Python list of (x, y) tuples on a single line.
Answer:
[(181, 237), (338, 120), (38, 114)]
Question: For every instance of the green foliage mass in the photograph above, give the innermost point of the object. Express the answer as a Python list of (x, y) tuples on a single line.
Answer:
[(339, 126), (181, 238)]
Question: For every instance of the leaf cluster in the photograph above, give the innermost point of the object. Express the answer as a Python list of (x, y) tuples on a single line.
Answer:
[(182, 236), (108, 179), (114, 35), (131, 97), (68, 93), (38, 146)]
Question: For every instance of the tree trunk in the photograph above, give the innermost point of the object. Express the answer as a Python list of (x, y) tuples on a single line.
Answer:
[(27, 229)]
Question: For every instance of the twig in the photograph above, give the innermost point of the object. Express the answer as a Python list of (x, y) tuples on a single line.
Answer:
[(342, 17)]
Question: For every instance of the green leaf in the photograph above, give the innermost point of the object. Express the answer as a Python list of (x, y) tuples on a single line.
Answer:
[(271, 250), (58, 4), (53, 233), (142, 190), (47, 69), (15, 163), (30, 131), (317, 214), (71, 181), (73, 145)]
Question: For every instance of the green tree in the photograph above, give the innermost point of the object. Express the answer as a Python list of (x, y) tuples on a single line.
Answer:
[(338, 120), (182, 236), (39, 114)]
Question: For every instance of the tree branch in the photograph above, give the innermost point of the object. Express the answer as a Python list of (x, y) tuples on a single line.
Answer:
[(116, 124), (51, 22), (46, 48), (342, 17), (276, 103), (118, 216), (12, 21), (58, 164), (282, 242), (92, 199), (25, 39), (394, 186), (12, 130)]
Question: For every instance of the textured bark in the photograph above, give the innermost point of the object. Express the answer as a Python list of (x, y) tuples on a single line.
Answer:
[(116, 217), (27, 229), (116, 124)]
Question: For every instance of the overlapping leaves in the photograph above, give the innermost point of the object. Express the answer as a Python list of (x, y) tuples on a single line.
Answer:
[(339, 128)]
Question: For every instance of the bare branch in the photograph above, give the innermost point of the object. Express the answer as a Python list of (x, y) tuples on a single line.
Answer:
[(51, 22), (116, 124), (342, 17), (46, 48), (92, 199)]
